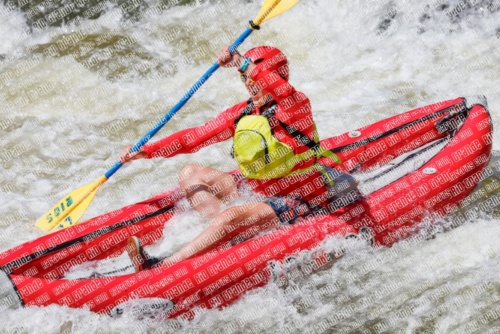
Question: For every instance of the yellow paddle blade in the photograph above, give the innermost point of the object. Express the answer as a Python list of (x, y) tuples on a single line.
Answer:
[(272, 8), (75, 215), (71, 208)]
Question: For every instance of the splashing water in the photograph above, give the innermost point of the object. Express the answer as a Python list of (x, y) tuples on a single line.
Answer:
[(80, 80)]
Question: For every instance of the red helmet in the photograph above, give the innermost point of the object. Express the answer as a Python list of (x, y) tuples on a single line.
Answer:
[(269, 58)]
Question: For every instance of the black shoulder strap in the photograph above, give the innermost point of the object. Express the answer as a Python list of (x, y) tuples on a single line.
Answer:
[(305, 140), (244, 112), (269, 113)]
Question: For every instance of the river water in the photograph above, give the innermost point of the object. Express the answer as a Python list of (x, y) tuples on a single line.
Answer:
[(80, 80)]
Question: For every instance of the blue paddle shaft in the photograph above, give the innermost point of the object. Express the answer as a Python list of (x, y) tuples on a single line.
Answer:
[(179, 104)]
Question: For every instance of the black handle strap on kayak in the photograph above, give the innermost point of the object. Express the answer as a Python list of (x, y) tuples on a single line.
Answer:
[(461, 106), (33, 256), (451, 122)]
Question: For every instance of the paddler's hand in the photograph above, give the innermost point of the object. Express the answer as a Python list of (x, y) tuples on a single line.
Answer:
[(227, 59), (127, 156)]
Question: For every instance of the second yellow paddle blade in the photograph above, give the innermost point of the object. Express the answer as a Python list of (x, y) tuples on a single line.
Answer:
[(71, 208), (272, 8)]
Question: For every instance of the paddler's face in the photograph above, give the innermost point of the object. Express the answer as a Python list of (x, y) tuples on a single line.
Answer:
[(259, 96)]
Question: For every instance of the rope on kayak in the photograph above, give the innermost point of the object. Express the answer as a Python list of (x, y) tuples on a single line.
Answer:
[(25, 259), (365, 141)]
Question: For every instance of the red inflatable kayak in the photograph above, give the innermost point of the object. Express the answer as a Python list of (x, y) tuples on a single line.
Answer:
[(413, 165)]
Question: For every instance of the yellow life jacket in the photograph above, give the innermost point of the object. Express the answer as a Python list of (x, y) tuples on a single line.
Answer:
[(260, 155)]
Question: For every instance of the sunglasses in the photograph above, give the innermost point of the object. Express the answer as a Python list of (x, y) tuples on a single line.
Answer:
[(244, 78)]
